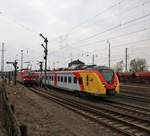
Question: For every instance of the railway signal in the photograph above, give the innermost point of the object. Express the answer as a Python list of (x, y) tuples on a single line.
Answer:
[(45, 53), (15, 66)]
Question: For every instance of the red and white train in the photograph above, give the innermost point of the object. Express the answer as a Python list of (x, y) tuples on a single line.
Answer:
[(27, 77)]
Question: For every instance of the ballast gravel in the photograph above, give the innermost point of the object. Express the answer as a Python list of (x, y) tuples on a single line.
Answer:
[(46, 118)]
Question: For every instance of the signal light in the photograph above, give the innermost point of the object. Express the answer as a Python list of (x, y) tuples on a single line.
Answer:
[(45, 57)]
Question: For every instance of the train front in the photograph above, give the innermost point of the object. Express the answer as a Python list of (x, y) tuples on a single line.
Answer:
[(29, 77), (110, 81)]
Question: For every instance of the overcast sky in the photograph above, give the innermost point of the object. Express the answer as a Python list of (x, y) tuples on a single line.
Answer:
[(76, 29)]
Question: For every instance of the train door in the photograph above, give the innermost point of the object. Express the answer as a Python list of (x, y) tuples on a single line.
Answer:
[(89, 83)]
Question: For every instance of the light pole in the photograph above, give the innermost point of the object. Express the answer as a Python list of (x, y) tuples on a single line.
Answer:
[(93, 58), (108, 53), (126, 60), (21, 59)]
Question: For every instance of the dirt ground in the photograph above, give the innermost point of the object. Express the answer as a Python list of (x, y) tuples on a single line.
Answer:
[(2, 130), (46, 118)]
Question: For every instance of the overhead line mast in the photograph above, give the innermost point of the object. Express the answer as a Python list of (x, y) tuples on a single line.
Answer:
[(2, 61), (108, 53)]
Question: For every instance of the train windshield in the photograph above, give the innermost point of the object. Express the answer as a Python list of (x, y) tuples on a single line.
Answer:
[(108, 74)]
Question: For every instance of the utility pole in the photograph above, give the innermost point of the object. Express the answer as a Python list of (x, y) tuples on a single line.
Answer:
[(21, 59), (126, 60), (45, 52), (15, 67), (2, 62), (93, 57), (71, 57), (108, 53)]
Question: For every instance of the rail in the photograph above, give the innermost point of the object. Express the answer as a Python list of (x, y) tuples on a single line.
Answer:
[(120, 122)]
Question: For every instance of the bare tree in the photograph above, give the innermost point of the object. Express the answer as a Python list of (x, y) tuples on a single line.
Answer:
[(138, 64), (119, 66)]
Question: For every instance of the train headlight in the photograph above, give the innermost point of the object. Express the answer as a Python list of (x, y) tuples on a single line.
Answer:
[(103, 85)]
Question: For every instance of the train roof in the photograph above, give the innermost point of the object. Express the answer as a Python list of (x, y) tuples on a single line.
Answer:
[(83, 69)]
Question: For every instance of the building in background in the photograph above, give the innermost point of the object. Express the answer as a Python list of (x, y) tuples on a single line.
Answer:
[(75, 63)]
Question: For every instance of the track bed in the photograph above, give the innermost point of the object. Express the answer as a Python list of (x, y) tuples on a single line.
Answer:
[(46, 118)]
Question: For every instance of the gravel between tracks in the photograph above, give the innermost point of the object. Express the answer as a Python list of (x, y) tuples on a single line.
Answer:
[(45, 118)]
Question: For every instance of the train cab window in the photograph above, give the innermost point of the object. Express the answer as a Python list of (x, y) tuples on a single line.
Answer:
[(80, 80), (61, 78), (58, 78), (75, 80), (65, 80), (69, 79)]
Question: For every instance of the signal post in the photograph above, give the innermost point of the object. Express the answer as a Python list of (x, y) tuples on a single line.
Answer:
[(45, 54), (15, 67)]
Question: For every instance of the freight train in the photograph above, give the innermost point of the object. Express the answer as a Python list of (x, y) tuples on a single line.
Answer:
[(134, 77)]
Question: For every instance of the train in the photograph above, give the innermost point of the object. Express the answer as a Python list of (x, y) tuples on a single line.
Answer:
[(27, 77), (134, 77), (91, 80)]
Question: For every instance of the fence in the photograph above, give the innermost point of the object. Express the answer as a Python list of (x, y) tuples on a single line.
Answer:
[(10, 121)]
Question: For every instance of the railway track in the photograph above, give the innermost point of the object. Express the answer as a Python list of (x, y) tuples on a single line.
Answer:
[(134, 92), (135, 86), (135, 97), (125, 123), (132, 108)]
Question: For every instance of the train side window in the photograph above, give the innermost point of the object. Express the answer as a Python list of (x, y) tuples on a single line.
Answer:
[(75, 80), (58, 78), (80, 80), (52, 78), (61, 78), (65, 80), (69, 79)]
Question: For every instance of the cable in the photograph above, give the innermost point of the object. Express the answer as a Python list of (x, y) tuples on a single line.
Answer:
[(19, 24), (118, 3), (114, 27), (142, 4), (118, 45), (110, 38), (96, 15), (105, 10)]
